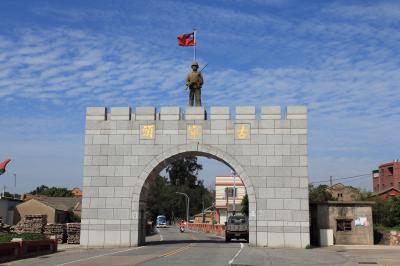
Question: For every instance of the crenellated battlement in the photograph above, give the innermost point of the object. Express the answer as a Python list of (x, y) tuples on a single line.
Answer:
[(125, 147), (172, 113)]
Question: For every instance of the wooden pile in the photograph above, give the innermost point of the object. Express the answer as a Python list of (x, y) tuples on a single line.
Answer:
[(33, 223), (73, 233), (4, 227), (55, 229)]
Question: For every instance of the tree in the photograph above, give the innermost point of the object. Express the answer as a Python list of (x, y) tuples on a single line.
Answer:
[(72, 217), (182, 177), (39, 190), (245, 205), (51, 192), (364, 195), (394, 211), (319, 193), (183, 172)]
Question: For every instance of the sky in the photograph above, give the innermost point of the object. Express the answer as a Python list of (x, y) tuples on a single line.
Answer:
[(340, 58)]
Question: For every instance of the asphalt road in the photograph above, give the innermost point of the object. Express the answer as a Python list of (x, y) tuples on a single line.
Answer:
[(167, 247), (170, 247)]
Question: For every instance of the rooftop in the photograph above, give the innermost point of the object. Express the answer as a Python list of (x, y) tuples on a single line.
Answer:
[(59, 203)]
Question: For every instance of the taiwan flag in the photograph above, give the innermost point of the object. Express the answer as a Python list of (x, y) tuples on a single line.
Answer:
[(3, 166), (187, 39)]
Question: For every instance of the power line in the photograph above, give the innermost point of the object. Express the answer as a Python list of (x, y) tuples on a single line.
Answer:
[(341, 178)]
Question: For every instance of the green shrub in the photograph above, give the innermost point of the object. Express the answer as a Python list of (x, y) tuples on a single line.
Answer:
[(7, 237), (386, 213)]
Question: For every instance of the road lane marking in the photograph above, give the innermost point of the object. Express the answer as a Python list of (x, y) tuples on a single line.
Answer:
[(237, 254), (97, 256), (176, 251)]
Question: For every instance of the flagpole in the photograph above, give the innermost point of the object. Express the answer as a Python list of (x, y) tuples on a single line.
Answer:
[(194, 50)]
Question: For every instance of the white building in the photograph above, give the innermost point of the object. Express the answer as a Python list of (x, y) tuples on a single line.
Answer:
[(225, 196)]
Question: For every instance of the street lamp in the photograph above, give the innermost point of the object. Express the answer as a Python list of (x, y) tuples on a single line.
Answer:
[(187, 207), (15, 185), (234, 192)]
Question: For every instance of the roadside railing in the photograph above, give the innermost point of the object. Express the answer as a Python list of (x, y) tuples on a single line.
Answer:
[(217, 229)]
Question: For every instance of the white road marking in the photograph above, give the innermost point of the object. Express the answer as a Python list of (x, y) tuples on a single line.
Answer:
[(237, 254), (158, 232), (101, 255)]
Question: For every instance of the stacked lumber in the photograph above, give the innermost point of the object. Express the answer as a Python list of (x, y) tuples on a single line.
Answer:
[(57, 230), (4, 227), (33, 223), (73, 233)]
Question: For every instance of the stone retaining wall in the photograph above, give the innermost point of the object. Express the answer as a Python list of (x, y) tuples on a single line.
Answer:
[(391, 238)]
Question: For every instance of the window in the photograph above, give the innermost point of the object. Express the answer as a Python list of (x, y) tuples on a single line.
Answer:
[(390, 170), (229, 192), (343, 225)]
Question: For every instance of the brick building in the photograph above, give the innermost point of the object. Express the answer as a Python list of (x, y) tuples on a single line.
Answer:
[(387, 193), (343, 193), (388, 176)]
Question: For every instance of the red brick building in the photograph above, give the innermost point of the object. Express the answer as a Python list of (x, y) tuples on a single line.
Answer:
[(388, 176), (387, 193)]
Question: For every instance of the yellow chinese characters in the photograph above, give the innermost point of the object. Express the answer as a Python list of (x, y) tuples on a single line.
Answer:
[(194, 131), (242, 132), (147, 131)]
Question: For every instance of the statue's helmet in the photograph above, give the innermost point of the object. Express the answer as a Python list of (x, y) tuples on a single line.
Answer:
[(194, 63)]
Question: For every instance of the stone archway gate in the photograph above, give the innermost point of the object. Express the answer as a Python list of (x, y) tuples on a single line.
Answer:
[(122, 148)]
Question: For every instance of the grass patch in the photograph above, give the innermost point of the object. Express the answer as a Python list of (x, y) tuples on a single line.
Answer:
[(6, 237)]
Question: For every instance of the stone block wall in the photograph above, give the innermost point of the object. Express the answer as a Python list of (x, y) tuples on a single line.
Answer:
[(123, 148)]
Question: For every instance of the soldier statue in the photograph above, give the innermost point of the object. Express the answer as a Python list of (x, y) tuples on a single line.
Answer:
[(194, 82)]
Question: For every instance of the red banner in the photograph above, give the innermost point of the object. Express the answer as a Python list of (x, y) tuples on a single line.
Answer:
[(187, 39)]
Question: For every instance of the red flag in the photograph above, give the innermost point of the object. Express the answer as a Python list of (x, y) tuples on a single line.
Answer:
[(187, 39), (3, 166)]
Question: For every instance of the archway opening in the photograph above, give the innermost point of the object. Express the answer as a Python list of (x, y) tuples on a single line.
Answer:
[(211, 186)]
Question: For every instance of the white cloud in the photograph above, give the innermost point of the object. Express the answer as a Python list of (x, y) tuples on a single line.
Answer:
[(381, 12), (345, 70)]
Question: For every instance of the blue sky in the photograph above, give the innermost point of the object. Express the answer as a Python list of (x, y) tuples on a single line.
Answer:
[(340, 58)]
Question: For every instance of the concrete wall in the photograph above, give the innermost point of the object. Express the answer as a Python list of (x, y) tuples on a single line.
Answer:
[(324, 216), (7, 210), (35, 207), (124, 148)]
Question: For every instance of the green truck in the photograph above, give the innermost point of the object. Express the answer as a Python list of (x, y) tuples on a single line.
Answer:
[(237, 227)]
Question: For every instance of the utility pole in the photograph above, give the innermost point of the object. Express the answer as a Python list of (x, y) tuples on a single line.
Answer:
[(15, 185), (330, 180), (203, 220), (227, 202), (187, 207), (234, 192)]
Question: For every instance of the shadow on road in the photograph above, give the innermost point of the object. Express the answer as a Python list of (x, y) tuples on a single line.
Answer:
[(191, 241)]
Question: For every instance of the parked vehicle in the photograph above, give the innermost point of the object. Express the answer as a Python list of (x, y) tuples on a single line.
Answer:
[(161, 221), (237, 227)]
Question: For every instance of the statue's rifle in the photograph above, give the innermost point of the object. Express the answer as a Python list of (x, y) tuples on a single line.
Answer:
[(199, 72)]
